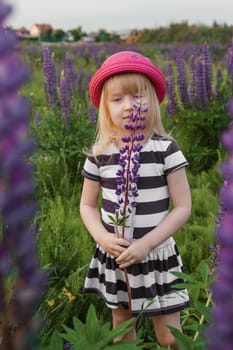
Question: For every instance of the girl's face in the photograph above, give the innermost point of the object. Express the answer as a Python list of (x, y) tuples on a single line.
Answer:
[(120, 106), (121, 97)]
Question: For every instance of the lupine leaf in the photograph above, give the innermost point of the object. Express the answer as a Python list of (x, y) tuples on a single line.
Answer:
[(181, 338), (79, 326), (204, 272), (122, 329), (56, 342), (125, 345), (185, 276), (195, 327), (92, 325), (70, 335)]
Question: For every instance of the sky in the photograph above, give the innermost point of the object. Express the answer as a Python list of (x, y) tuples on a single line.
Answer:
[(112, 15)]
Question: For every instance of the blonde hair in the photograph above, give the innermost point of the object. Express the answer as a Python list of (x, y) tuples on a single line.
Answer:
[(127, 83)]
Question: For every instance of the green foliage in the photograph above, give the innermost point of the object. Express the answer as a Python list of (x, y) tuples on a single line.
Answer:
[(58, 35), (117, 219), (184, 33), (56, 342), (64, 249), (198, 133), (198, 233), (62, 143), (198, 315), (92, 335)]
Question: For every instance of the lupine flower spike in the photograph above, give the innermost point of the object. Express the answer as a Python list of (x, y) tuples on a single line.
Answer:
[(127, 177), (172, 106), (65, 100), (18, 257), (220, 333), (50, 78), (182, 82)]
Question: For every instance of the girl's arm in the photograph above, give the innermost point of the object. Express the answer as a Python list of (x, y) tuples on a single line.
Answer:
[(90, 214), (181, 199)]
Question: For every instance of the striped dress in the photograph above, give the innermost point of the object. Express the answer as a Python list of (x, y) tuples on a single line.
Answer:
[(151, 280)]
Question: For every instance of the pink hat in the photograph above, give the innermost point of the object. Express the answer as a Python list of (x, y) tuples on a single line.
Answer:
[(123, 62)]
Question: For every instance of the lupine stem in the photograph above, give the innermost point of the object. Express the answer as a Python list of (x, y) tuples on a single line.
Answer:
[(121, 215)]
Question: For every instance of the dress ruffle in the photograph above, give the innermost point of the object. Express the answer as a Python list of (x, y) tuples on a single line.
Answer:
[(151, 281)]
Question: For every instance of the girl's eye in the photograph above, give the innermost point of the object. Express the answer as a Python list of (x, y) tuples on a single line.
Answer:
[(116, 99)]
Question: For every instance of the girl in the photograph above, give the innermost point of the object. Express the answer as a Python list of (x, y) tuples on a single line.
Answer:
[(148, 251)]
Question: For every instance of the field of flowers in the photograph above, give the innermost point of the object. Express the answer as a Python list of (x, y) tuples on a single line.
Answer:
[(199, 84), (62, 122)]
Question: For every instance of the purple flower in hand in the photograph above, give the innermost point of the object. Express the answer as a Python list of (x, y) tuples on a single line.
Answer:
[(128, 172)]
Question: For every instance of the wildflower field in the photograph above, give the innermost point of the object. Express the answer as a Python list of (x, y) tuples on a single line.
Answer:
[(197, 111)]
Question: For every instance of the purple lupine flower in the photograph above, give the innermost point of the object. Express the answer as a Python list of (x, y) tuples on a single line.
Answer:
[(229, 56), (67, 346), (70, 74), (205, 96), (18, 255), (230, 107), (206, 56), (182, 84), (65, 100), (172, 106), (201, 92), (81, 82), (127, 177), (50, 78), (92, 115), (220, 332), (192, 81), (219, 80), (128, 172)]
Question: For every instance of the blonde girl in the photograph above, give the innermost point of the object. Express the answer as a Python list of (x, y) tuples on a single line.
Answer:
[(148, 251)]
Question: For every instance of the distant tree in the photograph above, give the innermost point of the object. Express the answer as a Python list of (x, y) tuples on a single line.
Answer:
[(58, 35), (77, 33), (103, 36), (46, 35)]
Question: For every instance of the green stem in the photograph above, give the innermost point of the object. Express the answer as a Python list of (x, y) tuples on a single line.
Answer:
[(128, 290), (202, 318)]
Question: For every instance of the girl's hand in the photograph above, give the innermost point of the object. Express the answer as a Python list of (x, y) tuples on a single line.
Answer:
[(135, 253), (113, 245)]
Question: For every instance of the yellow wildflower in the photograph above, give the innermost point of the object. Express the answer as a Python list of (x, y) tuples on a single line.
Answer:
[(69, 295), (51, 302)]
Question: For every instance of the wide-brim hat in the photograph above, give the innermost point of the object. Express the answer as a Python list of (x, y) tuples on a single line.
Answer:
[(124, 62)]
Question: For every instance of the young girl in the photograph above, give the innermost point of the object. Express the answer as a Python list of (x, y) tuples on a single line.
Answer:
[(148, 251)]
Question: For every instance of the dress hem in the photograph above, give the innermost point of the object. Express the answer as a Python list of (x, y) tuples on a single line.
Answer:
[(146, 313)]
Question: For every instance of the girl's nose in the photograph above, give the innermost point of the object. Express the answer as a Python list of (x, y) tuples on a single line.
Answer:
[(129, 101)]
